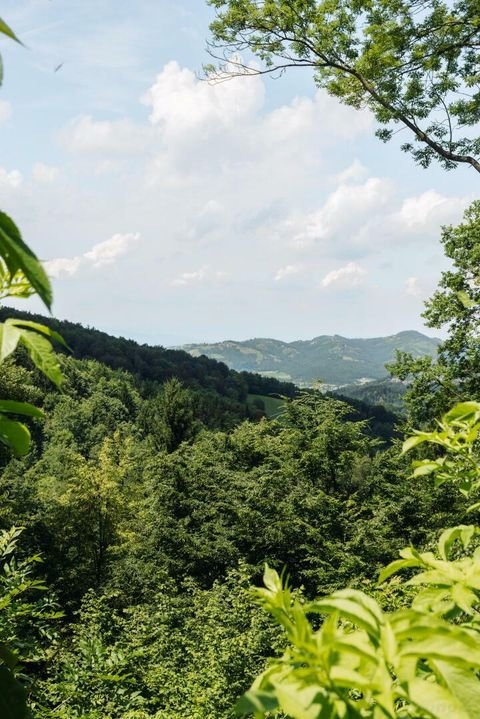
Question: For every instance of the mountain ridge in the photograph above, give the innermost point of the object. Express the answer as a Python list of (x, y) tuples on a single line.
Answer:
[(333, 359)]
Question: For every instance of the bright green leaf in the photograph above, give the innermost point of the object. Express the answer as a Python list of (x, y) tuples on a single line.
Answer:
[(18, 256), (10, 407), (14, 435)]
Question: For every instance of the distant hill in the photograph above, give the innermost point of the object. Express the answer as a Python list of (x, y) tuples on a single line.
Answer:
[(334, 360), (387, 392)]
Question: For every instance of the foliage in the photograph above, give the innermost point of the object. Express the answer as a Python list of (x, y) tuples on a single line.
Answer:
[(414, 65), (21, 276), (26, 623), (420, 660), (454, 375)]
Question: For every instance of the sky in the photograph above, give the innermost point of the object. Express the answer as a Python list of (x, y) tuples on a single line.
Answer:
[(170, 210)]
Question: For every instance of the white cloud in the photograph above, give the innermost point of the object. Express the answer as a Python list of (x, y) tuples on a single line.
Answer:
[(351, 275), (198, 276), (44, 174), (321, 114), (342, 211), (63, 266), (430, 209), (84, 135), (103, 253), (287, 271), (5, 111), (413, 288), (180, 103), (11, 179), (356, 172)]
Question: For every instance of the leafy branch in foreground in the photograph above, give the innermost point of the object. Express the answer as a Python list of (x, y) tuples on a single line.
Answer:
[(413, 64), (420, 661), (21, 276)]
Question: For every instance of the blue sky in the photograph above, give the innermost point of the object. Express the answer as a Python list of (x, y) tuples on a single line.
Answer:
[(171, 210)]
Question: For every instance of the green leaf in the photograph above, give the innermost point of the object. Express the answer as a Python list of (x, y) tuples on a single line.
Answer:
[(10, 407), (18, 256), (435, 700), (13, 697), (256, 701), (448, 643), (14, 435), (9, 337), (7, 30), (412, 442), (421, 469), (395, 567), (466, 301), (42, 329), (463, 410), (463, 532), (353, 605), (463, 684), (271, 579), (299, 701), (42, 355)]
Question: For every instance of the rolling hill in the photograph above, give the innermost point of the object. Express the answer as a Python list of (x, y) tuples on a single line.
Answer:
[(333, 360)]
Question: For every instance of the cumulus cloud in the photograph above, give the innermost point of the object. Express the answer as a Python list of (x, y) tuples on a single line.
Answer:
[(287, 271), (180, 103), (322, 114), (101, 254), (351, 275), (429, 209), (342, 211), (44, 174), (356, 172)]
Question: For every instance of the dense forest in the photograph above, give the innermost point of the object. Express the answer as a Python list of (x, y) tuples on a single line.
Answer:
[(144, 492), (151, 525)]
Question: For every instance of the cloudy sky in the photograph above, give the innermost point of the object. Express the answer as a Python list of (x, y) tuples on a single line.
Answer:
[(170, 210)]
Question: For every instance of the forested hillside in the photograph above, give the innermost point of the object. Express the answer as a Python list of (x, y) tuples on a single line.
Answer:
[(155, 365), (151, 526), (334, 360)]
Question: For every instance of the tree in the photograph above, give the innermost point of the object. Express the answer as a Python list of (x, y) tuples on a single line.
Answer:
[(413, 63), (455, 374)]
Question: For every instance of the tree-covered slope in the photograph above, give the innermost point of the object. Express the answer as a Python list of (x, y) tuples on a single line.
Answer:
[(331, 359), (155, 363)]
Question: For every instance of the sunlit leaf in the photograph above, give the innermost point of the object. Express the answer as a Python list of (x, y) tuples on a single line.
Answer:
[(14, 435), (256, 701), (18, 256), (42, 355), (11, 407), (9, 338), (41, 329), (7, 30)]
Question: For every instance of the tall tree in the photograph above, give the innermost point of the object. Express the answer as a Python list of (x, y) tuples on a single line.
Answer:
[(413, 63), (455, 374)]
